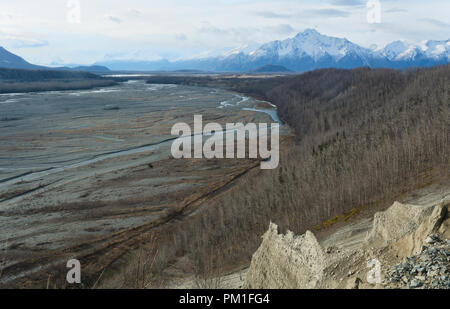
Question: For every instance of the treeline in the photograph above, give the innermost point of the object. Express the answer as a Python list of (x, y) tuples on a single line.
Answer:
[(54, 85), (16, 80), (18, 75), (363, 137)]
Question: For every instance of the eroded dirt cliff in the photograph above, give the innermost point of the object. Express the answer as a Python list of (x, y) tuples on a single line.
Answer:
[(406, 247)]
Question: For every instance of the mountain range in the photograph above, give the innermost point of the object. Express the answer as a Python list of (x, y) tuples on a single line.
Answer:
[(308, 50)]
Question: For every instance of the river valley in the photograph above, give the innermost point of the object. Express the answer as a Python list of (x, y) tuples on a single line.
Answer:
[(88, 174)]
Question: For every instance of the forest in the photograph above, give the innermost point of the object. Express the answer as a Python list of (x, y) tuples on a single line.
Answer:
[(18, 80), (363, 137)]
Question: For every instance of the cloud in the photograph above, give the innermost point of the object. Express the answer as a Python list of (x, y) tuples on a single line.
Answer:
[(114, 19), (181, 37), (6, 17), (29, 44), (135, 13), (22, 41), (268, 14), (348, 2), (435, 22), (230, 37), (325, 13), (210, 29), (396, 10), (281, 29)]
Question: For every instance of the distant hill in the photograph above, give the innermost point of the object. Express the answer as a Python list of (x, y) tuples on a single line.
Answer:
[(92, 69), (9, 60), (140, 66), (270, 68)]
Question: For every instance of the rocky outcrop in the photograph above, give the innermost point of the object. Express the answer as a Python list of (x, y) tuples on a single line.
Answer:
[(396, 222), (426, 252), (409, 242), (428, 269), (286, 262)]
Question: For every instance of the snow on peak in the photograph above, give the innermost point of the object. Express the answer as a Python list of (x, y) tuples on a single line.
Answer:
[(310, 43), (309, 32), (298, 51), (399, 50), (436, 49), (244, 49)]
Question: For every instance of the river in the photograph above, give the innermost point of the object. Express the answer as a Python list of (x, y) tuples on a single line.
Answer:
[(82, 171)]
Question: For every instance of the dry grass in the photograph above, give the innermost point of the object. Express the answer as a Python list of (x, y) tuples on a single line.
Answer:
[(142, 268), (208, 283)]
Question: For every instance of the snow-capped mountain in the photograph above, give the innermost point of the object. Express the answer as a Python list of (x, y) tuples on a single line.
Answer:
[(402, 51), (311, 50), (398, 50), (436, 49), (310, 43)]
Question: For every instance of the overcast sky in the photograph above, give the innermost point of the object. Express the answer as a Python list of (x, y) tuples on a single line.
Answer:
[(47, 31)]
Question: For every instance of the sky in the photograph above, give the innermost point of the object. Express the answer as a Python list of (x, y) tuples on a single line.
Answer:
[(57, 32)]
